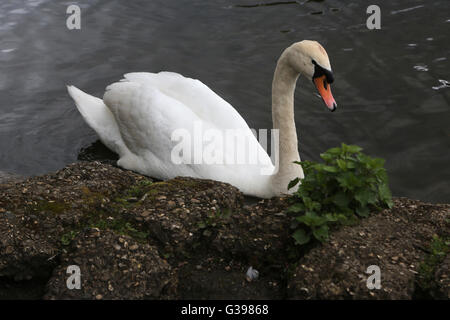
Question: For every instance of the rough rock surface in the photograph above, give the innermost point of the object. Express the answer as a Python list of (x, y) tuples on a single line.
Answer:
[(113, 267), (396, 243), (134, 238)]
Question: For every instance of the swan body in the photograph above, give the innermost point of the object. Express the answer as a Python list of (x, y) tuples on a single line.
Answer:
[(138, 116)]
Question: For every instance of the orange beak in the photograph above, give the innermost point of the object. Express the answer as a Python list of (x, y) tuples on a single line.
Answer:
[(325, 92)]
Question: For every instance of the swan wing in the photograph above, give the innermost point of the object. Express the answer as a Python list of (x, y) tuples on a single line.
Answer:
[(211, 109), (195, 95)]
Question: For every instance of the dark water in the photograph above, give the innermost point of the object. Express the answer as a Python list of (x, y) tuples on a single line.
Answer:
[(387, 81)]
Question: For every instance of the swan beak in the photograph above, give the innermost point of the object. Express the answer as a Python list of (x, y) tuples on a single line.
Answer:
[(325, 92)]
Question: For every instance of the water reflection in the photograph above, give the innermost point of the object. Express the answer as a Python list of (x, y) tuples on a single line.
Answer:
[(443, 84)]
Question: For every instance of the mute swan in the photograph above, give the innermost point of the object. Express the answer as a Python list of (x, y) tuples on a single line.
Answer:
[(138, 116)]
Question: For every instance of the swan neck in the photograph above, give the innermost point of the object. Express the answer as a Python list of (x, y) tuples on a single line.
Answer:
[(283, 88)]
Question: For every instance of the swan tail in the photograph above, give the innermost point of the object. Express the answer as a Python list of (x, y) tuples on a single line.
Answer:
[(100, 118)]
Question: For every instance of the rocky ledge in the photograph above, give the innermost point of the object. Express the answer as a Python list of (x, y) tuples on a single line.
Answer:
[(134, 238)]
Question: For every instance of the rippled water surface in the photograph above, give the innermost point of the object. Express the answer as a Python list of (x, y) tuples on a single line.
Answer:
[(391, 84)]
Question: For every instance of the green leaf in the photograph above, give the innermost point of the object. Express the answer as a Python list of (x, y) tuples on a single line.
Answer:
[(293, 183), (341, 199), (353, 149), (334, 151), (311, 219), (384, 191), (348, 181), (363, 211), (377, 163), (342, 164), (330, 169), (327, 157), (331, 217), (310, 204), (321, 233), (385, 195), (364, 196), (350, 163), (297, 207), (389, 203), (301, 237), (342, 218)]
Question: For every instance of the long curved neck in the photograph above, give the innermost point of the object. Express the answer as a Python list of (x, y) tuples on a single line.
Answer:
[(283, 87)]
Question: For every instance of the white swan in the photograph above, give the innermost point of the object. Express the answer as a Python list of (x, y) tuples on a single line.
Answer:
[(138, 116)]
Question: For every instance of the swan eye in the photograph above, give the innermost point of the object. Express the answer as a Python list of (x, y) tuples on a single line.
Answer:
[(319, 71), (314, 62)]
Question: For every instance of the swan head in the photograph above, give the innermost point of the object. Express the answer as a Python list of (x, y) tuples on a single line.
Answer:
[(310, 59)]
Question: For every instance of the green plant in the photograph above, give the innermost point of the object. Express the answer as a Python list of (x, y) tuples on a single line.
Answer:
[(346, 186), (139, 189), (213, 219), (66, 238), (439, 248)]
